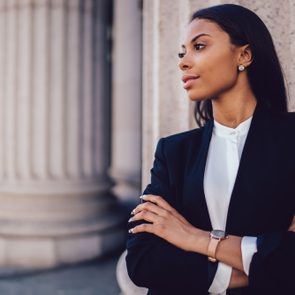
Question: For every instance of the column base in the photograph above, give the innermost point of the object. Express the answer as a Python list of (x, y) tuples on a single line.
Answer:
[(42, 253), (47, 229)]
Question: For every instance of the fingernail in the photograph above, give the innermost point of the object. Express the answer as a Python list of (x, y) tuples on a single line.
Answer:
[(130, 231), (133, 212), (130, 219)]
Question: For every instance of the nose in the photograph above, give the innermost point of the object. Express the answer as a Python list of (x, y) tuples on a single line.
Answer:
[(184, 64)]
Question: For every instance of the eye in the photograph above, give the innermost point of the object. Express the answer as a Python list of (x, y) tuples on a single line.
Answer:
[(198, 45)]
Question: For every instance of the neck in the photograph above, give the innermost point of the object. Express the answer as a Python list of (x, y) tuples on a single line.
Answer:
[(231, 113)]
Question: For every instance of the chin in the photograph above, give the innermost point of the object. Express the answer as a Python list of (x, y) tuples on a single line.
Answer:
[(195, 98)]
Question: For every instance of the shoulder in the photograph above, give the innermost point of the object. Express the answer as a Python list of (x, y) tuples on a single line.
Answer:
[(285, 122), (180, 144), (280, 129), (182, 138), (290, 118)]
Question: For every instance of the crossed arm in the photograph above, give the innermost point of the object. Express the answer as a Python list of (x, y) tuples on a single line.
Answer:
[(168, 234), (167, 223)]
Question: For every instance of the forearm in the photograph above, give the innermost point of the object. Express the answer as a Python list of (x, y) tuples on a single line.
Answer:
[(238, 279), (228, 250)]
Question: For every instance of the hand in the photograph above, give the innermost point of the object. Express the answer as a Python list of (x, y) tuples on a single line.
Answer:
[(292, 226), (166, 222)]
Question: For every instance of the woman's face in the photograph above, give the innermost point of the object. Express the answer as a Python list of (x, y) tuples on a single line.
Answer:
[(209, 63)]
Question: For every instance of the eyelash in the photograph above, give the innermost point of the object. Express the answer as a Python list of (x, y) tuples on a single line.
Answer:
[(198, 44), (181, 54)]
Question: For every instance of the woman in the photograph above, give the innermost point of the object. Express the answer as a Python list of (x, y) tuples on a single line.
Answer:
[(215, 217)]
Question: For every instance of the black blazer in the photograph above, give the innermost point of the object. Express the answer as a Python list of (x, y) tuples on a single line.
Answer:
[(262, 204)]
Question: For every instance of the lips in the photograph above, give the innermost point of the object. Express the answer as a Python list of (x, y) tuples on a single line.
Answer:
[(188, 77), (188, 80)]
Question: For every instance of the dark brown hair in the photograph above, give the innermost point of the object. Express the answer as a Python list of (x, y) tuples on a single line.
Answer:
[(265, 73)]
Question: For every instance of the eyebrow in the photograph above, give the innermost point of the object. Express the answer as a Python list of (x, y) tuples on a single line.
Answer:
[(196, 37)]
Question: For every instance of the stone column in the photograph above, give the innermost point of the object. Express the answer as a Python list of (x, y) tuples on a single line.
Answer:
[(126, 99), (55, 201)]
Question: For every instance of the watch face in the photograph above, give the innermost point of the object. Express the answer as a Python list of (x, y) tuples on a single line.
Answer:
[(218, 233)]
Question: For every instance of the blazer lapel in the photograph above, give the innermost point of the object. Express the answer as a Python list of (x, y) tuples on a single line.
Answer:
[(193, 191), (251, 175)]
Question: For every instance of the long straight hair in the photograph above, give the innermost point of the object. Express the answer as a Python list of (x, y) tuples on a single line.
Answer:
[(264, 73)]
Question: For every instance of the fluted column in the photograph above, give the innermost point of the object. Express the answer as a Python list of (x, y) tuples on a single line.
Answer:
[(126, 99), (55, 201)]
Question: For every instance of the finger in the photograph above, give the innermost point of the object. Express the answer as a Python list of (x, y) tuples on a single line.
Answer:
[(292, 226), (159, 201), (145, 227), (146, 215), (148, 206), (164, 204)]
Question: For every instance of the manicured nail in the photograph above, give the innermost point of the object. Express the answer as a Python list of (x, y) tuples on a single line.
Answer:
[(130, 231), (133, 212), (130, 219)]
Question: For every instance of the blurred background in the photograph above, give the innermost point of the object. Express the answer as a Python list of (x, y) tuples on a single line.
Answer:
[(87, 87)]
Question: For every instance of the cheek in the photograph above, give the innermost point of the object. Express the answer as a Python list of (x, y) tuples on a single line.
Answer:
[(216, 75), (220, 72)]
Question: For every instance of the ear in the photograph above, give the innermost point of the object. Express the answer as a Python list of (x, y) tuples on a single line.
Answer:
[(245, 55)]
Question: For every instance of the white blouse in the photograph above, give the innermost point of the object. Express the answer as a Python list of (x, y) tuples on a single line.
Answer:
[(222, 164)]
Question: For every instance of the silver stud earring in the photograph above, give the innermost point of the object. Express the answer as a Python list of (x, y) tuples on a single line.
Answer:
[(241, 68)]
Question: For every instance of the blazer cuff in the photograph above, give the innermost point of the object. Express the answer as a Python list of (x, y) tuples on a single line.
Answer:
[(248, 249), (222, 279)]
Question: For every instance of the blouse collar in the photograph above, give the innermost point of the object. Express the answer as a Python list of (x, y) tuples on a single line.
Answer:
[(225, 131)]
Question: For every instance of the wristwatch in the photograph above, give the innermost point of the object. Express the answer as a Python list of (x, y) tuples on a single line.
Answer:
[(216, 236)]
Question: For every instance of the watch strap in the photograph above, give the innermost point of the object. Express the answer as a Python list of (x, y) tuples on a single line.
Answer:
[(213, 243), (216, 236)]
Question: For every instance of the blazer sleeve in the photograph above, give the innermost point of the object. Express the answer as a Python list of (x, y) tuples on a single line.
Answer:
[(151, 261), (272, 270)]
